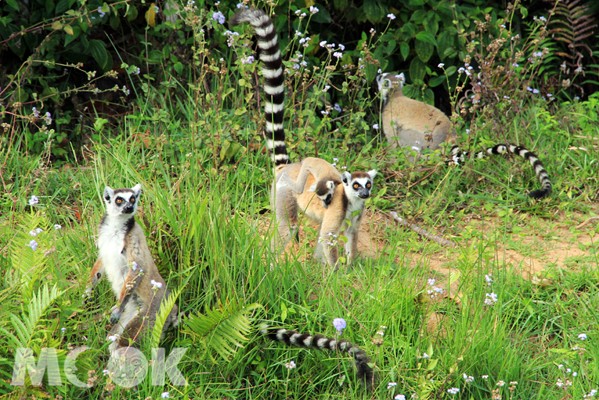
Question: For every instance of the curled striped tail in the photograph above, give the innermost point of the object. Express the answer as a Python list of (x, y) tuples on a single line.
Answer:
[(272, 71), (458, 157), (320, 342)]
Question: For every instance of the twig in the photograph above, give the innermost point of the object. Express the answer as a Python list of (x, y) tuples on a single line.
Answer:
[(421, 231), (588, 221)]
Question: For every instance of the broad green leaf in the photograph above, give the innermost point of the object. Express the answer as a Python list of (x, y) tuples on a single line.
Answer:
[(404, 50), (13, 4), (99, 53), (424, 50), (426, 37), (417, 71), (436, 81)]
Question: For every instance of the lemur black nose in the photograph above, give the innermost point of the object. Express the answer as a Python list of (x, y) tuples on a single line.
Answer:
[(364, 194), (128, 209)]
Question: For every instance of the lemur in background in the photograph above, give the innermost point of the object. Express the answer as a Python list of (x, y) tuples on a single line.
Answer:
[(339, 201), (126, 261), (313, 186), (407, 121)]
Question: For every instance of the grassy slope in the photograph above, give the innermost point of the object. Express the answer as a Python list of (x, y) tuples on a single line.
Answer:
[(202, 218)]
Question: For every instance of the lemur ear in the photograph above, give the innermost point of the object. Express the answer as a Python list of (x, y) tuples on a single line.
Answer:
[(137, 189), (108, 193), (372, 173), (346, 177)]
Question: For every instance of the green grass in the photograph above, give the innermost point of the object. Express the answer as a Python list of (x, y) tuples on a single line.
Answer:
[(203, 214)]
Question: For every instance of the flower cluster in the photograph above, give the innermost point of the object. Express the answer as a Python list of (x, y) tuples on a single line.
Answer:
[(434, 291)]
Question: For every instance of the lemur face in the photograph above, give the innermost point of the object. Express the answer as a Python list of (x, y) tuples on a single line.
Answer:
[(122, 201), (325, 191), (388, 82), (359, 184)]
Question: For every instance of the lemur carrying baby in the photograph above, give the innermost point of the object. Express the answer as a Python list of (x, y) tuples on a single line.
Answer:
[(127, 263), (312, 186)]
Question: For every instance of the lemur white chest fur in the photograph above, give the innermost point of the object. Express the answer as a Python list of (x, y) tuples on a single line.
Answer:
[(111, 248)]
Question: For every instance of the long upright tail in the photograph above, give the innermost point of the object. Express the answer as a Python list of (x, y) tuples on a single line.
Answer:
[(272, 71), (458, 157), (320, 342)]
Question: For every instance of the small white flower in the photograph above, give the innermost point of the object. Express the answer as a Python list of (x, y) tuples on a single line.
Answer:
[(391, 385), (501, 383), (391, 16), (57, 227), (323, 43), (33, 200), (468, 378), (399, 397), (582, 336), (453, 390), (36, 231), (490, 299), (375, 127), (134, 266), (164, 395), (313, 10), (489, 279), (441, 65), (431, 281), (337, 54), (105, 372), (113, 338), (485, 377), (341, 47), (155, 284), (33, 244), (290, 365), (63, 329), (337, 107), (425, 356)]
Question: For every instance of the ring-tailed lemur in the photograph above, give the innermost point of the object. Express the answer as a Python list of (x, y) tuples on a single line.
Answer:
[(342, 196), (313, 186), (126, 261), (407, 121), (293, 338)]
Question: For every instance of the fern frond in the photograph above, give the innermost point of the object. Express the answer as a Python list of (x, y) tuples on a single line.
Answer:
[(29, 263), (223, 330), (573, 23), (26, 326), (162, 315)]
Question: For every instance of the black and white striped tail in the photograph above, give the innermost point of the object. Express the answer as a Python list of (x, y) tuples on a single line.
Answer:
[(293, 338), (458, 157), (272, 70)]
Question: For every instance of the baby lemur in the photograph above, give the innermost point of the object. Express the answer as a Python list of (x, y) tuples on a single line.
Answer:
[(126, 261)]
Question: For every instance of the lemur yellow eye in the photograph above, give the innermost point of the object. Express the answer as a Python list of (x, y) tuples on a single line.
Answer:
[(118, 201), (132, 200), (356, 186), (368, 185)]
